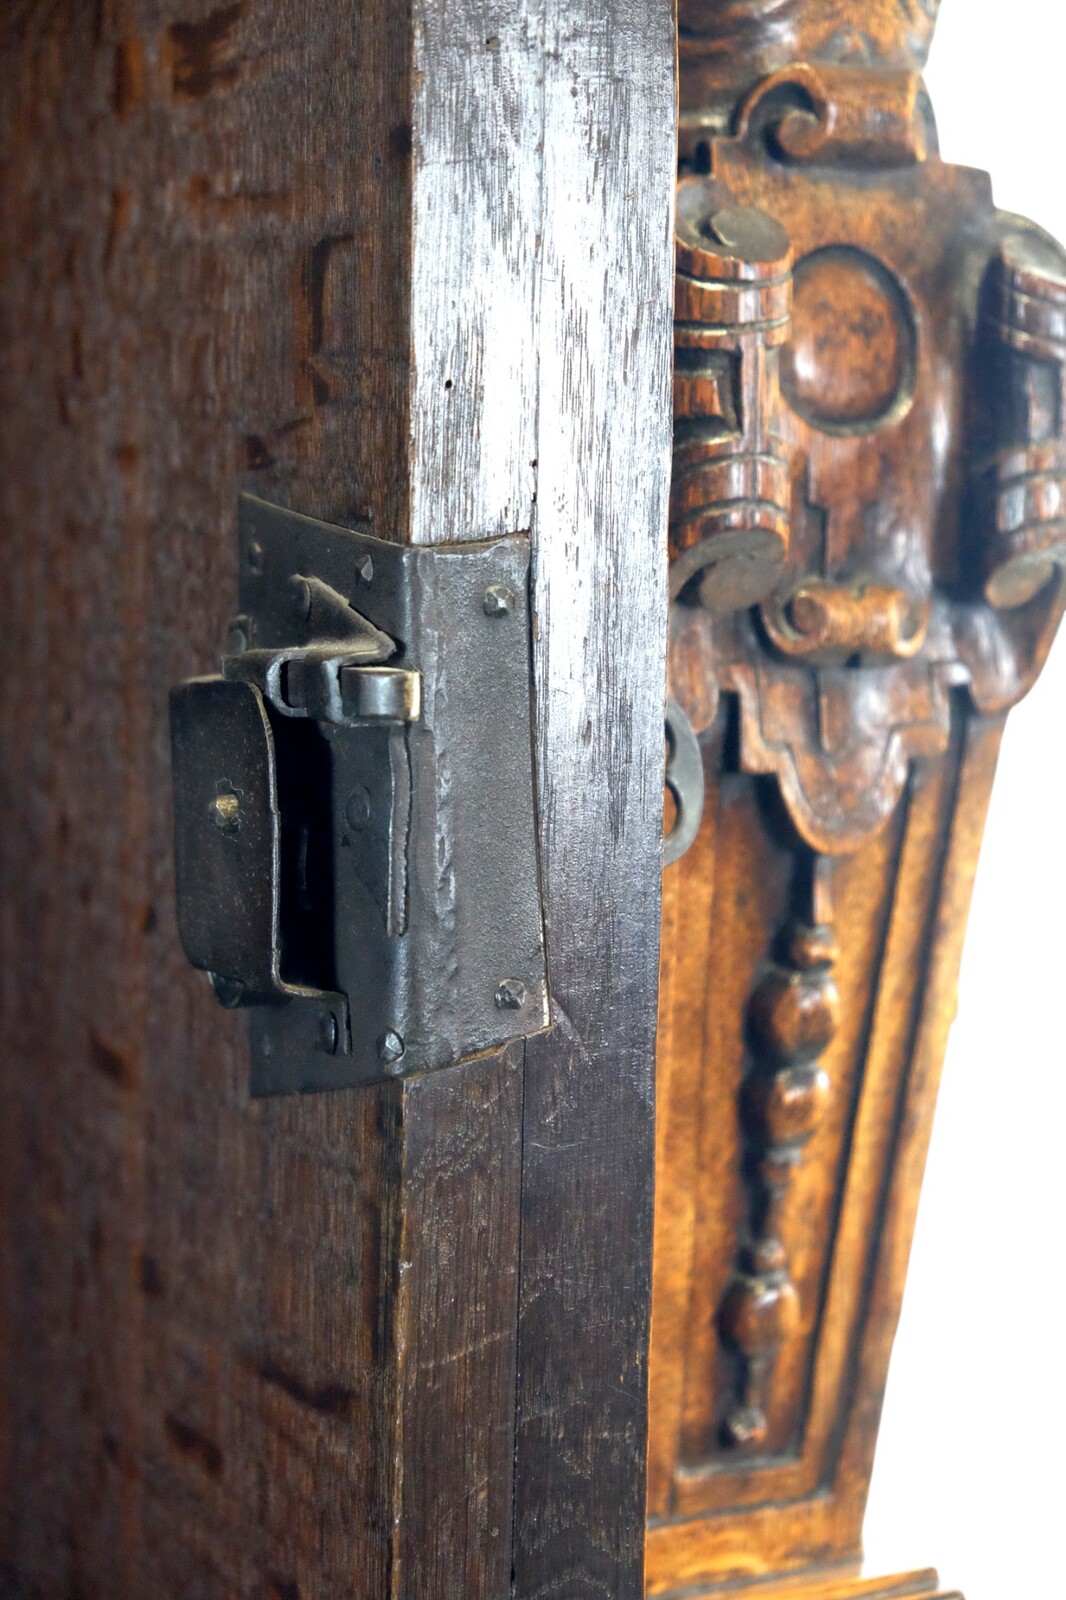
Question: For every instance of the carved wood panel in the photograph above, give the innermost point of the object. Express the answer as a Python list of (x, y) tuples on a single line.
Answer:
[(868, 535)]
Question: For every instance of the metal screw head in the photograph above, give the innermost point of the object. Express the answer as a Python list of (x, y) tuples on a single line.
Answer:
[(510, 994), (390, 1048), (225, 812), (327, 1033), (255, 557), (498, 600)]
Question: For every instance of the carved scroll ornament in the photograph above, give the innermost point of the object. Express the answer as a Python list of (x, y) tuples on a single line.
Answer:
[(869, 499)]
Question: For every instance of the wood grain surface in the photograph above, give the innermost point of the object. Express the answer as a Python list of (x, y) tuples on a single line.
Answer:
[(603, 443), (350, 257)]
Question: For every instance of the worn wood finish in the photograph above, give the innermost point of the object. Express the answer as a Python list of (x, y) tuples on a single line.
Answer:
[(454, 1294), (196, 1365), (603, 476), (234, 1332), (867, 548), (340, 255)]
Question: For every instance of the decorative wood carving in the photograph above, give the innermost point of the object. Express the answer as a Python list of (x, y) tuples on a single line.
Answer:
[(867, 545), (792, 1020)]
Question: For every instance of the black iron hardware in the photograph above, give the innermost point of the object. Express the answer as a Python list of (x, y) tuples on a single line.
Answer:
[(353, 796)]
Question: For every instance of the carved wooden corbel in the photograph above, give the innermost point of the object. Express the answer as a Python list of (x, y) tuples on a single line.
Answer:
[(868, 543)]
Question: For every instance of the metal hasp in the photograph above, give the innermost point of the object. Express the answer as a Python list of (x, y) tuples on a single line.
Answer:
[(353, 801)]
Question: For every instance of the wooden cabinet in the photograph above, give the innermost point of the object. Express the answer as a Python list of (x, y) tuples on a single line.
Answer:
[(424, 272)]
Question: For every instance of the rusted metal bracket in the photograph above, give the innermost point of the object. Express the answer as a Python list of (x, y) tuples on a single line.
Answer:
[(353, 798)]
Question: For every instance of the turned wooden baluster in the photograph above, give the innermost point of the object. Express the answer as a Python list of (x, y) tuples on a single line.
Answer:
[(792, 1019)]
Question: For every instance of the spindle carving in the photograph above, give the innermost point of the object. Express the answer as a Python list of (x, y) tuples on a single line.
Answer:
[(792, 1019), (868, 548)]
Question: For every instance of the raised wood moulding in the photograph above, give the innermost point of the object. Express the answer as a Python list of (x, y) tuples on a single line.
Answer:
[(867, 548)]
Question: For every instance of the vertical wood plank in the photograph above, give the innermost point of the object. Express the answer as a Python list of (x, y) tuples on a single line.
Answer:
[(477, 117), (600, 598), (233, 1334), (477, 121), (456, 1288), (373, 263), (193, 244)]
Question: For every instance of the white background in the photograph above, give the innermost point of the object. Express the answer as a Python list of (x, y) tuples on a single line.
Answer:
[(970, 1473)]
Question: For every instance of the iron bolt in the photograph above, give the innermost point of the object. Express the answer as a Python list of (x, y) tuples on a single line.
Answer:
[(510, 995), (497, 601)]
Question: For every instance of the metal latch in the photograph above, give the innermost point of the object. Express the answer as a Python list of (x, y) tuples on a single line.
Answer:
[(353, 800)]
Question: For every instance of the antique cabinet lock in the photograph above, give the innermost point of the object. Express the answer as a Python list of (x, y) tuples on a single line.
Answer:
[(353, 805)]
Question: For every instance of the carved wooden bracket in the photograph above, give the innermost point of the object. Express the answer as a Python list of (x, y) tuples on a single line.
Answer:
[(870, 464), (868, 546)]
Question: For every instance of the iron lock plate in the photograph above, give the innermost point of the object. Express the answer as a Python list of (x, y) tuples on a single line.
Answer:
[(354, 808)]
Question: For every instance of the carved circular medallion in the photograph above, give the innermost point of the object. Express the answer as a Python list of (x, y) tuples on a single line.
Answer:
[(849, 366)]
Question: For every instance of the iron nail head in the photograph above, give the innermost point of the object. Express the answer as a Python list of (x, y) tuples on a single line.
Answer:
[(497, 601), (510, 994), (391, 1048), (327, 1033), (357, 809), (225, 811), (237, 636)]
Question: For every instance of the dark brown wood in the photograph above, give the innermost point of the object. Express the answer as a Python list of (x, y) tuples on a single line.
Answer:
[(270, 1349), (454, 1292), (217, 1313), (589, 1119), (867, 546)]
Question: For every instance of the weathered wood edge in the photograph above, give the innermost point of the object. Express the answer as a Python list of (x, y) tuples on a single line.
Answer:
[(604, 433)]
